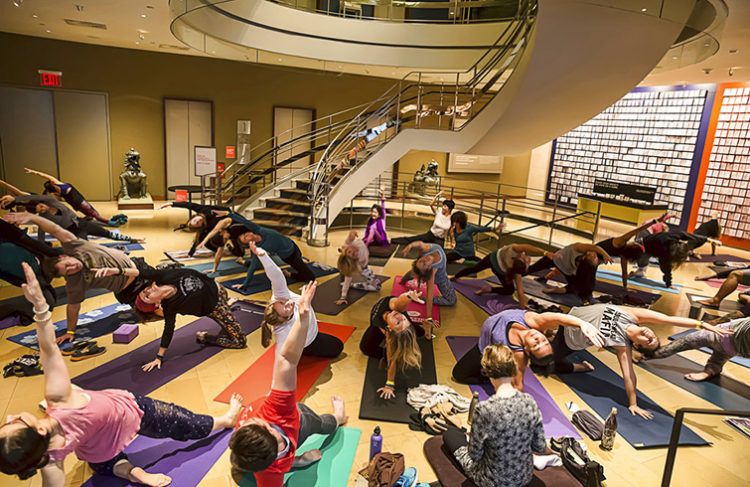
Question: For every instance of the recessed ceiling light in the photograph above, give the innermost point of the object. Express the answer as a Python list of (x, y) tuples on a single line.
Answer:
[(279, 59), (143, 16), (674, 57), (644, 10), (17, 3), (48, 31), (35, 16), (137, 42)]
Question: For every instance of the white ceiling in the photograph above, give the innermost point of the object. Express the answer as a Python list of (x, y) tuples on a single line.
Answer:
[(144, 25)]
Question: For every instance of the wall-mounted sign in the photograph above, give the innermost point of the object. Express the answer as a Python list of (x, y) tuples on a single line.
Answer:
[(230, 152), (472, 163), (220, 167), (634, 191), (50, 78), (205, 160)]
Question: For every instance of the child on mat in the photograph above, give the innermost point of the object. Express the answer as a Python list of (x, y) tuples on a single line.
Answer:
[(509, 264), (622, 331), (283, 311), (725, 341), (463, 235), (524, 333), (96, 425), (266, 441), (505, 431), (353, 262), (375, 232), (440, 225), (392, 336)]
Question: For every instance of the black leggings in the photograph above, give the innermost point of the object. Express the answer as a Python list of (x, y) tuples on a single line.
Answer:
[(575, 284), (301, 271), (324, 346), (468, 369), (84, 228), (427, 237), (372, 343), (560, 352), (506, 287)]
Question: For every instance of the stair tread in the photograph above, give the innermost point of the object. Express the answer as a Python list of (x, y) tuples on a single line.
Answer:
[(290, 201), (280, 211), (294, 190), (275, 223)]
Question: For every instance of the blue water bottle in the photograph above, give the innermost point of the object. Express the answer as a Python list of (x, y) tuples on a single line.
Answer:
[(376, 442)]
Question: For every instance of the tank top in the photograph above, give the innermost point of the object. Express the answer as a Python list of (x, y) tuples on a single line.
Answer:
[(495, 329)]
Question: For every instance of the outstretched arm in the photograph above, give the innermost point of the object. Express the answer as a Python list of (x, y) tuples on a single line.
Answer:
[(421, 246), (278, 281), (620, 241), (624, 356), (584, 247), (434, 201), (52, 179), (218, 228), (647, 316), (285, 365), (44, 225), (12, 189)]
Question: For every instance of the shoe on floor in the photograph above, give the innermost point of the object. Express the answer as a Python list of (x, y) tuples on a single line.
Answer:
[(90, 351)]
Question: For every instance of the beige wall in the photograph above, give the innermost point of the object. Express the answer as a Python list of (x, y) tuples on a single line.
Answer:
[(138, 81)]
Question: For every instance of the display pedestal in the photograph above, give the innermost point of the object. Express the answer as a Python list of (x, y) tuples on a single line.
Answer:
[(145, 203)]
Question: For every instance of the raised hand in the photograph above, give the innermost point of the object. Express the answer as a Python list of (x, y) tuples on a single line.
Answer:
[(256, 250), (20, 218), (593, 334), (31, 290), (308, 293), (415, 296)]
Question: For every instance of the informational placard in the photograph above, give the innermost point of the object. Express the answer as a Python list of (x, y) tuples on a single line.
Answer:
[(205, 160), (230, 152), (633, 191), (471, 163)]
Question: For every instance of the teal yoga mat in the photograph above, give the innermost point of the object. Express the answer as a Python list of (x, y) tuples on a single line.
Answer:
[(334, 467), (639, 281)]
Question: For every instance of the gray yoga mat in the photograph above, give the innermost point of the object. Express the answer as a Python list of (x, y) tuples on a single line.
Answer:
[(327, 293)]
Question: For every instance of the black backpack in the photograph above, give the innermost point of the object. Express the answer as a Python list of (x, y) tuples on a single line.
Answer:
[(587, 471)]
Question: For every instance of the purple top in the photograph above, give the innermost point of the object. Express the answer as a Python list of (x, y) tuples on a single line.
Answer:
[(495, 329), (375, 231)]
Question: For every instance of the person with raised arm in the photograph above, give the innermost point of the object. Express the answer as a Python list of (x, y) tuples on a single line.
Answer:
[(265, 442), (375, 235), (95, 425), (440, 226)]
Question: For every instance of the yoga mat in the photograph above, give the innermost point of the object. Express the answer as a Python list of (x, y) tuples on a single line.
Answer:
[(255, 382), (95, 323), (261, 282), (334, 467), (602, 389), (639, 281), (395, 410), (377, 261), (743, 361), (227, 267), (555, 421), (490, 303), (722, 391), (60, 292), (413, 253), (417, 312), (383, 251), (726, 306), (328, 292), (182, 255), (129, 247), (717, 283), (711, 258), (605, 287), (184, 353), (9, 321), (185, 462), (535, 288)]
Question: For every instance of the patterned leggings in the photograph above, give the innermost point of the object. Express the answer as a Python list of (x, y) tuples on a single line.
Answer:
[(231, 334), (162, 420), (697, 340), (371, 282), (91, 212)]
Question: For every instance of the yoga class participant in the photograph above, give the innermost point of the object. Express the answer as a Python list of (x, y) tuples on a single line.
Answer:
[(506, 429), (671, 250), (509, 264), (205, 219), (187, 292), (711, 229), (523, 332), (463, 235), (242, 232), (283, 310), (353, 262), (440, 225), (266, 441), (95, 425), (726, 340), (392, 336), (733, 280), (375, 232)]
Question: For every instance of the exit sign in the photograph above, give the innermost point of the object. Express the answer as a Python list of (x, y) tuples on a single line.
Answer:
[(50, 78)]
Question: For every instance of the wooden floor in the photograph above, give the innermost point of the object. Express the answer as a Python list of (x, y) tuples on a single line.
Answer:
[(726, 463)]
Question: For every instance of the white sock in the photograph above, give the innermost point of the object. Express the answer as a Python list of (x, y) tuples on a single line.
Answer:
[(543, 461)]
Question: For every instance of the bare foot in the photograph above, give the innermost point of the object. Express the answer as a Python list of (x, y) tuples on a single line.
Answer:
[(307, 458), (339, 410), (698, 376), (200, 337), (712, 302), (744, 298), (229, 418), (583, 367), (704, 278), (483, 290), (138, 475)]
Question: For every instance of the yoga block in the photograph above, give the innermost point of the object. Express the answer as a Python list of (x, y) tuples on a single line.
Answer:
[(125, 334)]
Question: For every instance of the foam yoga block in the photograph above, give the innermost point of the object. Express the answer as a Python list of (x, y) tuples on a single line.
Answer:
[(125, 334)]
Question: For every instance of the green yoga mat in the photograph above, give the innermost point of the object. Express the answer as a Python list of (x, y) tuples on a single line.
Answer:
[(332, 470)]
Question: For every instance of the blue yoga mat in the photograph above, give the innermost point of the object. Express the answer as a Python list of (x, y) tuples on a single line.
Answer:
[(130, 247), (261, 282), (95, 323), (743, 361), (639, 281), (227, 267), (602, 389)]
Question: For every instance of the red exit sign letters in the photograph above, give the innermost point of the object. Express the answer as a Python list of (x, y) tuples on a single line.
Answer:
[(50, 78)]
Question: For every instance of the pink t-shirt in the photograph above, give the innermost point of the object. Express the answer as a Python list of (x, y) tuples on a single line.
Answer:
[(101, 429)]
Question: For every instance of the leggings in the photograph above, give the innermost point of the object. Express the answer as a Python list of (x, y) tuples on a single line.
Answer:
[(91, 212), (301, 271), (324, 346), (230, 335), (468, 369), (697, 340), (372, 343), (575, 284), (560, 352), (453, 256), (506, 287), (84, 228), (310, 423), (427, 237), (162, 420)]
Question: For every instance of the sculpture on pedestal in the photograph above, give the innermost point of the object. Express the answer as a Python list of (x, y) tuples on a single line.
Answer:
[(424, 178), (133, 181)]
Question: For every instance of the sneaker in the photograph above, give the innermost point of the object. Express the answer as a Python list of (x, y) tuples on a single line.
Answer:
[(92, 350), (408, 479), (76, 346)]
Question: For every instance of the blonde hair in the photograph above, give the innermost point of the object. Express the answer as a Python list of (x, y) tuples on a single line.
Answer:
[(271, 318), (498, 362), (403, 350), (348, 266)]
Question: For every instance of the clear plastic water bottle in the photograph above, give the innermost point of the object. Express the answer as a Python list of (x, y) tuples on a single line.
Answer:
[(376, 442)]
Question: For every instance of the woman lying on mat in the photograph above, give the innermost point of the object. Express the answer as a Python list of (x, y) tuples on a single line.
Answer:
[(509, 264), (186, 292), (463, 235), (622, 331), (375, 232), (730, 340), (96, 425), (353, 262), (440, 225), (505, 432), (523, 332), (283, 310), (205, 219), (392, 336)]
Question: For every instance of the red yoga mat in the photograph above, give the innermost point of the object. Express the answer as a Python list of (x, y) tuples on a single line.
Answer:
[(416, 311), (255, 382)]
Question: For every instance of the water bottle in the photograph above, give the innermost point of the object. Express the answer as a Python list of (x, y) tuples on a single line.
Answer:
[(473, 405), (610, 430), (376, 442)]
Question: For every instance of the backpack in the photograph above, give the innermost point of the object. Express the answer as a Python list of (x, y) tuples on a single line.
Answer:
[(587, 471), (385, 469)]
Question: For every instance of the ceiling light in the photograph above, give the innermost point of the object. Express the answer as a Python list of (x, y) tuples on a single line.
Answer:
[(644, 10), (137, 42), (279, 59), (143, 16), (17, 3), (141, 36), (35, 16), (674, 57), (48, 31)]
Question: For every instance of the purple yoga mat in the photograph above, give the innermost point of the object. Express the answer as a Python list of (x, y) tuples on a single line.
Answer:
[(185, 462), (184, 353), (555, 422), (491, 303), (8, 321)]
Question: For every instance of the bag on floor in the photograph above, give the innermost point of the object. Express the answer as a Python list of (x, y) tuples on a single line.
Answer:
[(435, 420), (587, 471), (589, 424), (24, 366), (385, 469)]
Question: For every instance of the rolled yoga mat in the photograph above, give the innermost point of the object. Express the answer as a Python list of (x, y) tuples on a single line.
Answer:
[(395, 410), (490, 303), (417, 312), (743, 361), (555, 421), (333, 469), (602, 389), (184, 353), (652, 284), (93, 324), (9, 321), (255, 382), (261, 282), (327, 293)]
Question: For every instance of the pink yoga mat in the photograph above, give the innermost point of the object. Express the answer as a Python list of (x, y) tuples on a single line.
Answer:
[(716, 283), (417, 312)]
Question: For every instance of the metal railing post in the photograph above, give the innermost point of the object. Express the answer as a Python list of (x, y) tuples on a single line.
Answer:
[(403, 204), (455, 100), (418, 121), (596, 221), (552, 225)]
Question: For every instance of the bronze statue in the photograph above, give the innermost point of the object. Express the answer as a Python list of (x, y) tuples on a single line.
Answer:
[(424, 178), (133, 181)]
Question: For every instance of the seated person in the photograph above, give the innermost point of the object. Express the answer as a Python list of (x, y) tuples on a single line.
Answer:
[(509, 264), (523, 332), (506, 429), (440, 225), (392, 336), (375, 232), (463, 235), (95, 425), (283, 311), (733, 280), (266, 441), (353, 262), (577, 263)]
